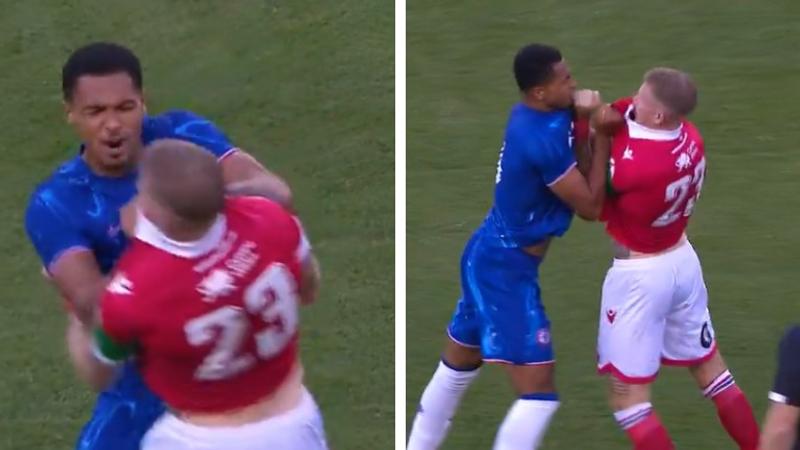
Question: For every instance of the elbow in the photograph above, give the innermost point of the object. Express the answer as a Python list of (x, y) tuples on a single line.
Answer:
[(284, 195)]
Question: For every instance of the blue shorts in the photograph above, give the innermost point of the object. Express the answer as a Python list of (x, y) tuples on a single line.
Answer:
[(122, 414), (500, 310)]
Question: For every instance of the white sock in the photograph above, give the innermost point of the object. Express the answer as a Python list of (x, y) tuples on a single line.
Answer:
[(525, 424), (438, 405)]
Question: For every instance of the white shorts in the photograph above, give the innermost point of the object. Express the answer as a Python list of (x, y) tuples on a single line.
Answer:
[(298, 429), (654, 310)]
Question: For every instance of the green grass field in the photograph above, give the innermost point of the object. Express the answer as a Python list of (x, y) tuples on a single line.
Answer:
[(307, 86), (460, 87)]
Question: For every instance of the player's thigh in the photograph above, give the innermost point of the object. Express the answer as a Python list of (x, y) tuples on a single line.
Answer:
[(514, 327), (500, 312), (463, 330), (689, 335), (635, 301), (462, 348)]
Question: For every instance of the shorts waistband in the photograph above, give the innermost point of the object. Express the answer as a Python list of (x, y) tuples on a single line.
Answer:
[(658, 259), (306, 407)]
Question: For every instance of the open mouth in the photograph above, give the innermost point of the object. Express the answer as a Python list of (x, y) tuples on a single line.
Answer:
[(115, 145)]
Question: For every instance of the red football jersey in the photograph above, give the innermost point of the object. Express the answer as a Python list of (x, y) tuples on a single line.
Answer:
[(215, 321), (655, 177)]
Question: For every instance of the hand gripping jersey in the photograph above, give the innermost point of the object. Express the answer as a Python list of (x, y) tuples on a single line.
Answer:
[(655, 178), (213, 323)]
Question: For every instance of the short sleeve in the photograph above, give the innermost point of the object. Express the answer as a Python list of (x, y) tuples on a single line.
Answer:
[(50, 229), (786, 388), (198, 130), (553, 159)]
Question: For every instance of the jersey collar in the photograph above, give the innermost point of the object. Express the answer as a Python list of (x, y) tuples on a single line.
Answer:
[(148, 232), (637, 131)]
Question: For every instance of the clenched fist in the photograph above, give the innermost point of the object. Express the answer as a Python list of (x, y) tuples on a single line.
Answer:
[(586, 101)]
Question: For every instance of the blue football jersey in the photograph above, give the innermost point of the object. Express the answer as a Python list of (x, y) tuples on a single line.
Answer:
[(536, 153), (77, 209)]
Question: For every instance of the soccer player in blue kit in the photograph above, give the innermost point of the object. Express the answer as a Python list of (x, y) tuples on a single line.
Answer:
[(500, 317), (76, 218)]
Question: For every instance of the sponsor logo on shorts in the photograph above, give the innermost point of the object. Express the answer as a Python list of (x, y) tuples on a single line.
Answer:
[(705, 336), (543, 336), (611, 315)]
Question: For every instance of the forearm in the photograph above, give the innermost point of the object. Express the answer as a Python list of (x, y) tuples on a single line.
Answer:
[(87, 367), (84, 301), (597, 168), (269, 187), (581, 144)]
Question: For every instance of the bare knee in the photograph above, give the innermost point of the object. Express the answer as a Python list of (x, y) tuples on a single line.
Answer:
[(623, 395), (707, 371), (539, 379), (461, 357)]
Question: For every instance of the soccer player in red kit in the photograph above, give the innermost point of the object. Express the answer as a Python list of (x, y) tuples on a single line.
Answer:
[(206, 299), (654, 300)]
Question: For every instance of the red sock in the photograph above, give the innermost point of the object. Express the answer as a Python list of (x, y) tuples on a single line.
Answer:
[(650, 434), (736, 415)]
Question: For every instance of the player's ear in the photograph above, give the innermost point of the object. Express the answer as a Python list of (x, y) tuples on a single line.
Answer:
[(144, 101), (538, 93), (68, 112)]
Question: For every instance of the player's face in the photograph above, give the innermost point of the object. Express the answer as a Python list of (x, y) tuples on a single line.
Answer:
[(107, 112), (647, 109), (557, 92)]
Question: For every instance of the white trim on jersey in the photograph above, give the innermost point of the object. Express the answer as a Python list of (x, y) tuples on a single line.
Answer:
[(637, 131), (148, 232), (778, 398), (228, 152), (558, 178)]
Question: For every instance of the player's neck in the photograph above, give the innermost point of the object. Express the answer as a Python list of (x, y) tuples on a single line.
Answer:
[(536, 105), (666, 126)]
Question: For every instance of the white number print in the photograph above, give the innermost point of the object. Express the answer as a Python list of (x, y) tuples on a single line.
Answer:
[(228, 325), (677, 193), (273, 296)]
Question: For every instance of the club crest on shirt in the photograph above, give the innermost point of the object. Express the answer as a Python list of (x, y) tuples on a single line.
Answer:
[(217, 283), (683, 161)]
